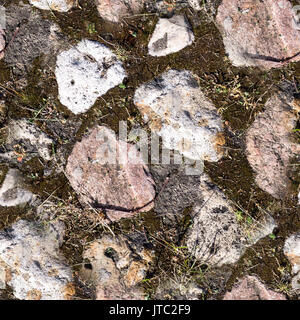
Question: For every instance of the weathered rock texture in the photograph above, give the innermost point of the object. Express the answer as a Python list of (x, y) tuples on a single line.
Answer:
[(250, 288), (34, 268), (216, 237), (269, 145), (2, 43), (195, 4), (84, 73), (170, 35), (114, 10), (292, 251), (178, 111), (12, 191), (114, 269), (259, 33), (57, 5), (103, 178), (31, 141)]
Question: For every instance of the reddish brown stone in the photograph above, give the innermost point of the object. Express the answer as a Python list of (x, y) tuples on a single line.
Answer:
[(259, 33), (269, 145), (119, 189), (250, 288)]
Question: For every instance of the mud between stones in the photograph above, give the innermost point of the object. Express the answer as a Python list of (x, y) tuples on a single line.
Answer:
[(239, 94)]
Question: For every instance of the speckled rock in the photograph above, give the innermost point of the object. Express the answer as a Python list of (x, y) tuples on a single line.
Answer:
[(292, 251), (31, 140), (2, 43), (195, 4), (114, 269), (34, 267), (259, 33), (86, 72), (102, 176), (177, 110), (250, 288), (269, 146), (216, 236), (114, 10), (57, 5), (12, 191), (170, 35)]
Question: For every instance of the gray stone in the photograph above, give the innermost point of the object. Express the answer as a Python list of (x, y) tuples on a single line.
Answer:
[(2, 43), (86, 72), (12, 192), (177, 110), (216, 236), (170, 35), (34, 267)]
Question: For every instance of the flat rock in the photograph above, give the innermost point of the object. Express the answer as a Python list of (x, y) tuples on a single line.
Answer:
[(32, 140), (292, 251), (250, 288), (170, 35), (33, 265), (177, 110), (259, 33), (86, 72), (114, 10), (57, 5), (269, 146), (216, 236), (2, 43), (104, 179), (114, 269), (12, 191)]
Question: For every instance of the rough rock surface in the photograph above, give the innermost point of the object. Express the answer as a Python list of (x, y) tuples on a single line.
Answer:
[(216, 237), (12, 193), (57, 5), (259, 33), (103, 178), (250, 288), (114, 10), (31, 141), (269, 146), (178, 111), (195, 4), (170, 35), (84, 73), (2, 43), (34, 268), (292, 251), (114, 269), (35, 37)]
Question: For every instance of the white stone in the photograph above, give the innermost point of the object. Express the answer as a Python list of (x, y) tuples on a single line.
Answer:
[(22, 130), (292, 251), (216, 236), (29, 252), (86, 72), (170, 35), (195, 4), (11, 192), (57, 5), (178, 111)]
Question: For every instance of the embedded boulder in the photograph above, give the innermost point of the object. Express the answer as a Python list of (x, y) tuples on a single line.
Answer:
[(86, 72), (57, 5), (178, 111), (114, 269), (33, 266), (269, 146), (170, 35), (110, 175), (259, 33), (250, 288), (114, 10), (217, 237)]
